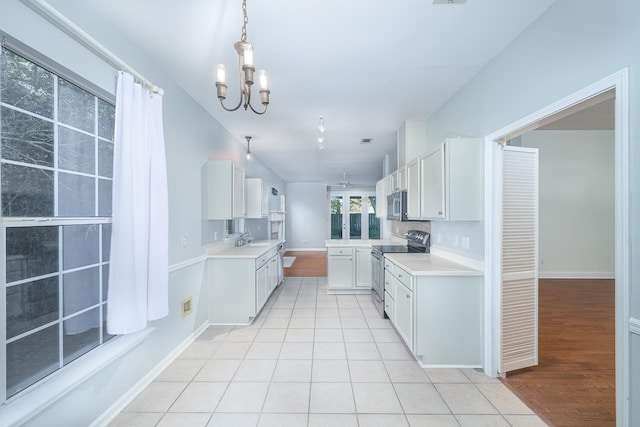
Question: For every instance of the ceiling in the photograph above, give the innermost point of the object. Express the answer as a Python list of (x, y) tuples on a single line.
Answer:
[(365, 66)]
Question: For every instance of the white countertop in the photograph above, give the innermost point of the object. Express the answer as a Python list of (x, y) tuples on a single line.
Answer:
[(362, 243), (430, 265), (254, 250)]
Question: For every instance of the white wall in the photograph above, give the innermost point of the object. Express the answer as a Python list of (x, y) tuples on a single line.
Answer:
[(192, 137), (576, 236), (307, 215)]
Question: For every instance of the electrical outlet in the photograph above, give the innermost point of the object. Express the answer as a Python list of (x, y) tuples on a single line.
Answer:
[(541, 261), (456, 241), (184, 241), (439, 238), (215, 235), (187, 306), (464, 242)]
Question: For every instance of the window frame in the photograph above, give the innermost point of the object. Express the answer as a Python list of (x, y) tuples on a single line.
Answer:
[(7, 222)]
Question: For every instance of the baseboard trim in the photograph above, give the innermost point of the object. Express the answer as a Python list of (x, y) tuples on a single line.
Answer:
[(306, 250), (117, 407), (187, 263), (576, 275)]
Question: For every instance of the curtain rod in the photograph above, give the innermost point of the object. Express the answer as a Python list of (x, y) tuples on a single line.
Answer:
[(78, 34)]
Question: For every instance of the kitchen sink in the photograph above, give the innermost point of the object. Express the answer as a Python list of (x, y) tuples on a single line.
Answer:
[(259, 244)]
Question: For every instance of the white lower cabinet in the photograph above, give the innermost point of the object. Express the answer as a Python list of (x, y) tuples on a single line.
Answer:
[(239, 287), (403, 312), (438, 317), (363, 268), (349, 269)]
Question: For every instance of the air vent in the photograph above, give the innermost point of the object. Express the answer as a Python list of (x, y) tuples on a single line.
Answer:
[(366, 140), (449, 1)]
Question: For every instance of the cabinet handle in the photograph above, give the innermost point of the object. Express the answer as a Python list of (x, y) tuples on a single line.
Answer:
[(408, 296), (399, 275), (439, 212)]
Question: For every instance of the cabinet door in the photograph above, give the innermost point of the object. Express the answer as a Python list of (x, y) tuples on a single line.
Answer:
[(401, 175), (265, 199), (238, 193), (273, 274), (381, 199), (363, 268), (413, 189), (432, 185), (403, 313), (262, 283), (340, 272)]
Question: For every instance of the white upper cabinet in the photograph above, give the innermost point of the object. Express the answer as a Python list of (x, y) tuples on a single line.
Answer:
[(257, 198), (432, 204), (225, 191), (413, 189), (451, 181), (412, 140), (383, 189)]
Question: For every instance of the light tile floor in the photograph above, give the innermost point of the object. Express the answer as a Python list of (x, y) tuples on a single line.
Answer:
[(312, 359)]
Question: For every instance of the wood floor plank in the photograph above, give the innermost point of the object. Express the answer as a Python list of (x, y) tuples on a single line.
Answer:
[(574, 383), (307, 264)]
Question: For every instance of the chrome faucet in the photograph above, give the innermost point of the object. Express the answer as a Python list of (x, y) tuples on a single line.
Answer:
[(244, 238)]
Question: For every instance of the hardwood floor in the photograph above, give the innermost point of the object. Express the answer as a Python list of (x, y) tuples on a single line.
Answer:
[(307, 264), (574, 383)]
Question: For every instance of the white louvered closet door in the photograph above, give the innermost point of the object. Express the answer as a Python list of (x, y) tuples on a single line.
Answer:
[(519, 316)]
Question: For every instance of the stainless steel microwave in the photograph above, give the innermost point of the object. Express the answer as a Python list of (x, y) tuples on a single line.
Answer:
[(397, 206)]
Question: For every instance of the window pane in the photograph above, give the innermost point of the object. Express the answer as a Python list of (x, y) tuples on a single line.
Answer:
[(31, 251), (79, 245), (76, 195), (336, 217), (25, 85), (104, 197), (106, 242), (106, 119), (105, 281), (105, 159), (81, 334), (32, 358), (76, 151), (81, 289), (31, 305), (355, 217), (26, 138), (76, 107), (26, 191), (374, 223)]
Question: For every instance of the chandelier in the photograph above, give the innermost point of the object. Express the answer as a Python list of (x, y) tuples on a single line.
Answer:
[(246, 70)]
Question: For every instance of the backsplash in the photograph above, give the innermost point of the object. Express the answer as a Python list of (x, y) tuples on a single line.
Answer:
[(399, 228)]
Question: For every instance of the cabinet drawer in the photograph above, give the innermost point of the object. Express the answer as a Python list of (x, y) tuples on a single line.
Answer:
[(388, 306), (341, 251), (404, 277), (262, 260), (388, 265)]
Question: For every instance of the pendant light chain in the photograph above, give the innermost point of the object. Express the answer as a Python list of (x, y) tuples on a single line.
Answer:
[(245, 20)]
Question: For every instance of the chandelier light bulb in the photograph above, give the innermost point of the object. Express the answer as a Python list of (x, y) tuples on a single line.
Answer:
[(247, 55), (221, 75), (320, 139), (263, 80)]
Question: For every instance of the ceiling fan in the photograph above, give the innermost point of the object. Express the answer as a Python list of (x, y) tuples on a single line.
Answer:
[(344, 182)]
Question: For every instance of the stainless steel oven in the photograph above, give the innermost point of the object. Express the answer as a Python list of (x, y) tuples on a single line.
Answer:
[(417, 242)]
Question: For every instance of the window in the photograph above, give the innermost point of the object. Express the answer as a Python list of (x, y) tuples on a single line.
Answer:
[(56, 164)]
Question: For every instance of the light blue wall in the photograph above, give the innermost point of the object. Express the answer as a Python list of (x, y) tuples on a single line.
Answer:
[(574, 44), (192, 137), (307, 215)]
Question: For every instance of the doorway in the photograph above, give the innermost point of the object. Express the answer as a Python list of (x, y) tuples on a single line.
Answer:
[(353, 215), (618, 83)]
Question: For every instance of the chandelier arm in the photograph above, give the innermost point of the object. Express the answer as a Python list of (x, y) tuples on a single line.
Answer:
[(257, 112), (231, 109)]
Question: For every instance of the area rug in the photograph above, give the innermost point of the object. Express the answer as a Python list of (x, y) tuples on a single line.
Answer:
[(287, 261)]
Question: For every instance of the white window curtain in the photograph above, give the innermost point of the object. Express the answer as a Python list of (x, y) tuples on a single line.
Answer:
[(138, 273)]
